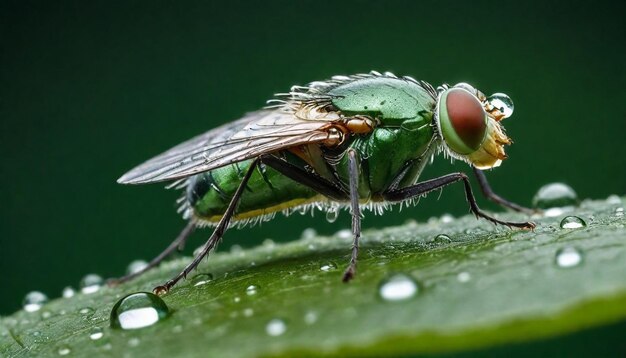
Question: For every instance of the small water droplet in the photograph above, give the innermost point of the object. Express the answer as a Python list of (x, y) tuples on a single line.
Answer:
[(252, 290), (46, 314), (310, 317), (136, 266), (446, 218), (269, 243), (344, 234), (398, 287), (308, 233), (236, 249), (86, 311), (568, 257), (91, 283), (553, 212), (177, 329), (96, 333), (248, 312), (555, 195), (619, 212), (133, 342), (236, 299), (276, 327), (330, 266), (463, 277), (201, 279), (572, 222), (503, 103), (64, 350), (614, 200), (68, 292), (442, 239), (138, 310), (332, 213), (34, 301)]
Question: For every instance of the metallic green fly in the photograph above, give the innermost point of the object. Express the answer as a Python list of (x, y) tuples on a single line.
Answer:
[(350, 142)]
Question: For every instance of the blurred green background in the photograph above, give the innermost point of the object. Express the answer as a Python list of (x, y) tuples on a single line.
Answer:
[(90, 89)]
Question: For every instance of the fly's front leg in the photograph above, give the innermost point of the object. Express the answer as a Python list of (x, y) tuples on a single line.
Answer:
[(426, 187), (353, 170), (489, 194), (217, 235)]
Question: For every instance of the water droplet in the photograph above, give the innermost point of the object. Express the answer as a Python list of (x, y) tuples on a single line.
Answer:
[(90, 283), (160, 290), (248, 312), (86, 311), (236, 249), (398, 287), (308, 233), (138, 310), (201, 279), (442, 239), (555, 195), (46, 314), (34, 301), (236, 299), (252, 290), (614, 200), (619, 212), (133, 342), (68, 292), (64, 350), (568, 257), (136, 266), (553, 212), (96, 333), (276, 327), (463, 277), (310, 317), (332, 213), (572, 222), (330, 266), (503, 103), (446, 218), (177, 329), (268, 243), (344, 234)]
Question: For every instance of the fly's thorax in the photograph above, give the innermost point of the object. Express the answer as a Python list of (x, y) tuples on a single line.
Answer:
[(468, 124)]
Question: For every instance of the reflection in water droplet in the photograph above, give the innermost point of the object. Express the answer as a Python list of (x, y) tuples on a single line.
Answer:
[(201, 279), (503, 103), (136, 266), (310, 317), (34, 301), (330, 266), (568, 257), (572, 222), (463, 277), (68, 292), (332, 214), (398, 287), (252, 290), (138, 310), (555, 195), (96, 333), (64, 350), (90, 283), (276, 327), (308, 233)]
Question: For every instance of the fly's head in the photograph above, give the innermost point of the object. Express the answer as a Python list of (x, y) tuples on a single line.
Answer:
[(468, 124)]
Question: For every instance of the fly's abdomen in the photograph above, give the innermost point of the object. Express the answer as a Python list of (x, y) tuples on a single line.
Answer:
[(268, 191)]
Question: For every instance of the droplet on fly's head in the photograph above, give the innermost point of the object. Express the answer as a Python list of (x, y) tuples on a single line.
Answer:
[(34, 301), (568, 257), (398, 287), (555, 195), (572, 222), (503, 103), (138, 310)]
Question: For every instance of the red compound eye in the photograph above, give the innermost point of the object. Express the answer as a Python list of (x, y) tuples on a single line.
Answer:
[(463, 120)]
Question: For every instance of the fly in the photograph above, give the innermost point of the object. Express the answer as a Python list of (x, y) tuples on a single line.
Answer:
[(355, 142)]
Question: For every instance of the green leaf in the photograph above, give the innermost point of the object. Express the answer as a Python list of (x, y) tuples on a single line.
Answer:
[(486, 286)]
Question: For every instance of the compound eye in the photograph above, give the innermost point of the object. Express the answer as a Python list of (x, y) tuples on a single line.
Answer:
[(462, 119)]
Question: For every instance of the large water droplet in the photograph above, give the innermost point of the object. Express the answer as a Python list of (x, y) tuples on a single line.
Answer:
[(96, 333), (201, 279), (138, 310), (503, 103), (568, 257), (329, 266), (34, 301), (90, 283), (332, 214), (398, 287), (136, 266), (572, 222), (555, 195), (252, 290), (276, 327)]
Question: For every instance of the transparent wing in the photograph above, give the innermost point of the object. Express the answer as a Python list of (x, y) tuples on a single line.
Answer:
[(255, 134)]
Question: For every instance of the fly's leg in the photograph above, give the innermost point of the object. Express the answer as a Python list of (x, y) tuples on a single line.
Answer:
[(217, 235), (353, 171), (427, 186), (489, 194), (177, 243)]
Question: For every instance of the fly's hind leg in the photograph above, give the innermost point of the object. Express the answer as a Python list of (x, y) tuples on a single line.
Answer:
[(180, 240), (215, 238), (489, 194), (427, 186)]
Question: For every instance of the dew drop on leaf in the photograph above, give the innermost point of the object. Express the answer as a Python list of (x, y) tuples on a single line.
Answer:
[(64, 350), (398, 287), (276, 327), (136, 266), (201, 279), (572, 222), (68, 292), (329, 266), (96, 333), (555, 195), (91, 283), (252, 290), (34, 301), (568, 257), (138, 310)]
